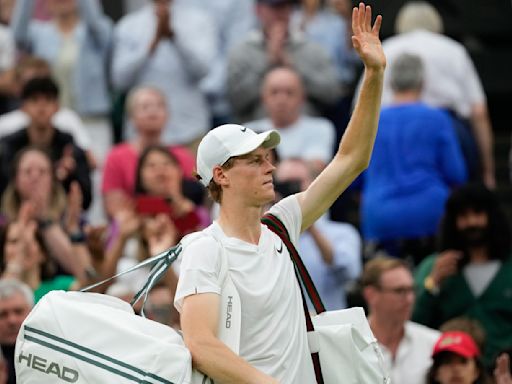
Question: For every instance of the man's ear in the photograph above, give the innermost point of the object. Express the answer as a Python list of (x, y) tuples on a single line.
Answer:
[(369, 293), (219, 176)]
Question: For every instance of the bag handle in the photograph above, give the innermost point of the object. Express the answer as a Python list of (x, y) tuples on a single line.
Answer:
[(302, 275), (159, 265)]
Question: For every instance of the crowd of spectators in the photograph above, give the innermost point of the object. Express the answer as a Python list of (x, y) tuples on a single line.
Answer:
[(80, 202)]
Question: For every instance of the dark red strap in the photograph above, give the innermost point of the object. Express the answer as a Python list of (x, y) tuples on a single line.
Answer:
[(301, 273)]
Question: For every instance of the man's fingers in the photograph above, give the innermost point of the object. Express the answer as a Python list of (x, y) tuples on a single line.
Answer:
[(361, 15), (355, 18), (368, 18), (377, 25)]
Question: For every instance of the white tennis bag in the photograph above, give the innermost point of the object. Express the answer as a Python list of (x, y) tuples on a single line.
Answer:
[(349, 353), (81, 337), (76, 337)]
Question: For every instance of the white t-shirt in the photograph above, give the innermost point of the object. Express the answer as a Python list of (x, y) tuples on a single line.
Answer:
[(309, 138), (413, 357), (273, 333)]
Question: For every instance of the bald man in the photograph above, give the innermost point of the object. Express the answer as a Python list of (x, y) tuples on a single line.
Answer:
[(308, 138)]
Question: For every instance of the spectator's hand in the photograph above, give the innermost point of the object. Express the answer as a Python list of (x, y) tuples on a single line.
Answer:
[(128, 221), (74, 208), (160, 233), (67, 164), (163, 19), (446, 265), (96, 242), (502, 371), (276, 40), (366, 38), (27, 252)]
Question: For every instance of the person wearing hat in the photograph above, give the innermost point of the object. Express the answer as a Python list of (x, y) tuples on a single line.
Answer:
[(234, 163), (456, 359)]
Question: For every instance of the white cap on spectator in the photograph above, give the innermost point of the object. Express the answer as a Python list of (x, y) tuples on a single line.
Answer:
[(227, 141)]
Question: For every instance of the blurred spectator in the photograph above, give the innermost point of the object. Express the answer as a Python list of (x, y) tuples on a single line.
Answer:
[(65, 119), (6, 7), (331, 251), (16, 302), (159, 218), (456, 360), (451, 82), (34, 194), (329, 24), (324, 24), (388, 288), (234, 20), (305, 137), (147, 110), (76, 43), (470, 276), (25, 257), (275, 44), (416, 161), (470, 326), (172, 50), (159, 175), (40, 103)]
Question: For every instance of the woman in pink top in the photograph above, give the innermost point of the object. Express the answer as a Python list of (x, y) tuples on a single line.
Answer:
[(148, 113)]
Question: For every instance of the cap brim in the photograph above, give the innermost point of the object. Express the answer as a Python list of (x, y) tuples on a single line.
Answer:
[(268, 139), (458, 350)]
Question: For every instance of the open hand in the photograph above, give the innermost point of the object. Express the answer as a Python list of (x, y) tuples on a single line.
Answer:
[(366, 38), (67, 164), (502, 371), (446, 265), (160, 233)]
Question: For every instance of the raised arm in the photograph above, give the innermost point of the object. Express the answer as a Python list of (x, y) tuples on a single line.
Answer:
[(355, 149)]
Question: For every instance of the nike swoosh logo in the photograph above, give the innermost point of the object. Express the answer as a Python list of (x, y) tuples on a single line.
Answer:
[(280, 250)]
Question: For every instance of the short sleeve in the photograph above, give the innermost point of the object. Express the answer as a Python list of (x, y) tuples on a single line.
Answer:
[(289, 212), (199, 270)]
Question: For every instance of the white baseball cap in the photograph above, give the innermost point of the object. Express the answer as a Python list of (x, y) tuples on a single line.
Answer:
[(226, 141)]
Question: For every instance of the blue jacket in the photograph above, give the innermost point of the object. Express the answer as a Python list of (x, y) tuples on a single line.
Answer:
[(94, 35), (415, 162)]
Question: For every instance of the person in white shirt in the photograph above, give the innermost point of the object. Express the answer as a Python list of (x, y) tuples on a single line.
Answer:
[(235, 164), (172, 50), (451, 80), (64, 119), (305, 137), (388, 288)]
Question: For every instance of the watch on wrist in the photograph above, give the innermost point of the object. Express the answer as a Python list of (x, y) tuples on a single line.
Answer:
[(430, 285), (45, 223), (77, 237)]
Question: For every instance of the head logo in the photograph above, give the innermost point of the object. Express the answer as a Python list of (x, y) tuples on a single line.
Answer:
[(48, 367)]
